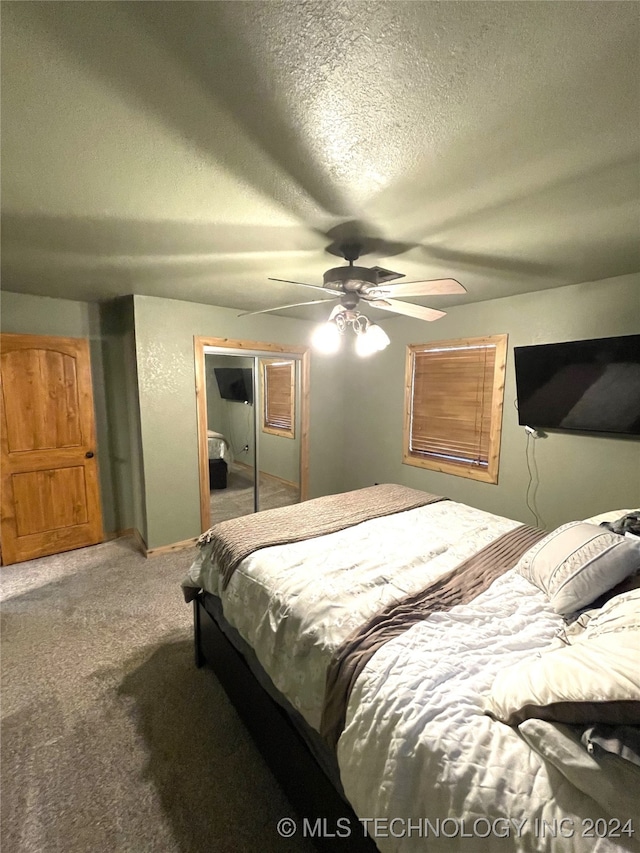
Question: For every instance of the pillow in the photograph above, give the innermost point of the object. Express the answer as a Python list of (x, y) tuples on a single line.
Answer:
[(623, 741), (577, 563), (628, 525), (595, 679), (612, 515), (609, 780), (571, 631)]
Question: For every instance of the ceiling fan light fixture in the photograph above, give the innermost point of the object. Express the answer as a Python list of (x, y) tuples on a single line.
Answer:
[(377, 336), (371, 339), (364, 346), (326, 338)]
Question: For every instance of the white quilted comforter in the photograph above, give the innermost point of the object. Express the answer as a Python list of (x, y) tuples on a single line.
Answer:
[(295, 604), (219, 447), (417, 753), (418, 746)]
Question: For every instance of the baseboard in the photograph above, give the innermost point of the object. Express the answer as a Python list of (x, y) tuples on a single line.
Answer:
[(280, 480), (119, 534), (268, 476), (139, 541), (175, 546), (133, 532)]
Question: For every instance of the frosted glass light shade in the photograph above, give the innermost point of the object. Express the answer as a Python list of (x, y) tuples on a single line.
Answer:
[(365, 345), (378, 337), (326, 338), (373, 340)]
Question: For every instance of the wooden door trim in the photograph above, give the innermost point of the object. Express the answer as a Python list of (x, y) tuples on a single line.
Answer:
[(261, 348)]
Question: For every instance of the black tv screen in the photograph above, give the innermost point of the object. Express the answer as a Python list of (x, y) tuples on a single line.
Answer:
[(584, 386), (235, 383)]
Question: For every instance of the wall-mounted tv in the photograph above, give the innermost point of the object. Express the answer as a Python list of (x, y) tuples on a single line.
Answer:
[(584, 386), (235, 383)]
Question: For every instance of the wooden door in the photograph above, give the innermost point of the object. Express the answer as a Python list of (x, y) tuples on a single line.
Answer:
[(50, 494)]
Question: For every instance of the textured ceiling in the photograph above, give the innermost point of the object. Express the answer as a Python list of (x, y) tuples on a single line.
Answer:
[(192, 150)]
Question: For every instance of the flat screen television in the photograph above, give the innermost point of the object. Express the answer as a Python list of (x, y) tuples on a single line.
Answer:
[(583, 386), (235, 383)]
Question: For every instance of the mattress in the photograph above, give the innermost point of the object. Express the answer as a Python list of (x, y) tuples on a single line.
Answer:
[(324, 756)]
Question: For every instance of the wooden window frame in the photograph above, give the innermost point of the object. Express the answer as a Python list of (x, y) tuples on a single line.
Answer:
[(471, 470), (283, 432)]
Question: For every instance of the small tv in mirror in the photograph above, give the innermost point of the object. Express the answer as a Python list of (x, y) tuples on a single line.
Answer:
[(235, 383), (584, 386)]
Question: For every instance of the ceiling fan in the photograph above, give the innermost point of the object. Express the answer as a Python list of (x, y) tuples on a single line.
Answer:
[(374, 286), (354, 285)]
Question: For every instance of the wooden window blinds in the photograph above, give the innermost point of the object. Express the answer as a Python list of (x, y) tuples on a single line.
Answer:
[(453, 406), (278, 396)]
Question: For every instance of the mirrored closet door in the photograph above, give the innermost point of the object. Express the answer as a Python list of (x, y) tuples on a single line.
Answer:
[(252, 411), (278, 432), (231, 444)]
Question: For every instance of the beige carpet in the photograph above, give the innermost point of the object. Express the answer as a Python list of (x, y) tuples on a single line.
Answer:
[(112, 741), (237, 498)]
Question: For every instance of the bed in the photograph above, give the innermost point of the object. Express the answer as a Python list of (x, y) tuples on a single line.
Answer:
[(220, 457), (460, 680)]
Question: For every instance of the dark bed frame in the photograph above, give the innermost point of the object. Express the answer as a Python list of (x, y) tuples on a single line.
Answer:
[(298, 773)]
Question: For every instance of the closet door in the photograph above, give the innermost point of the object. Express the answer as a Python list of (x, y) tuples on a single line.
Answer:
[(231, 442), (278, 430), (252, 405)]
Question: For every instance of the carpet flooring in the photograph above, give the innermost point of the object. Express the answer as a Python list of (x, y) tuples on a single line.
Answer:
[(112, 740), (237, 498)]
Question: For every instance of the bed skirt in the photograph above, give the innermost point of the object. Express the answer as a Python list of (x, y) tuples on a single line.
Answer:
[(304, 768)]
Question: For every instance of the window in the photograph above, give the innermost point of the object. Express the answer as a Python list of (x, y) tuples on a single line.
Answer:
[(453, 406), (278, 394)]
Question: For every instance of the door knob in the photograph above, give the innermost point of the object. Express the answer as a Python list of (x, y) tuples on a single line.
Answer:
[(89, 454)]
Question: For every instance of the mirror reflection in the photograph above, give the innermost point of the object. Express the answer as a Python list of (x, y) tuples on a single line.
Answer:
[(252, 424), (279, 443)]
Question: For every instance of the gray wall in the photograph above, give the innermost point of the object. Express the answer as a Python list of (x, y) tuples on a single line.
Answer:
[(280, 456), (144, 388), (164, 331), (23, 314), (579, 475), (123, 414)]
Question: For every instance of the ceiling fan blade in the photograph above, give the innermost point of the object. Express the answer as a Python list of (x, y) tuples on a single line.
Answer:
[(282, 307), (302, 283), (421, 288), (417, 311)]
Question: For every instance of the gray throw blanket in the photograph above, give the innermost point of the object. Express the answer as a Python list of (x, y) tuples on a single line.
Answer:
[(237, 538), (459, 586)]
